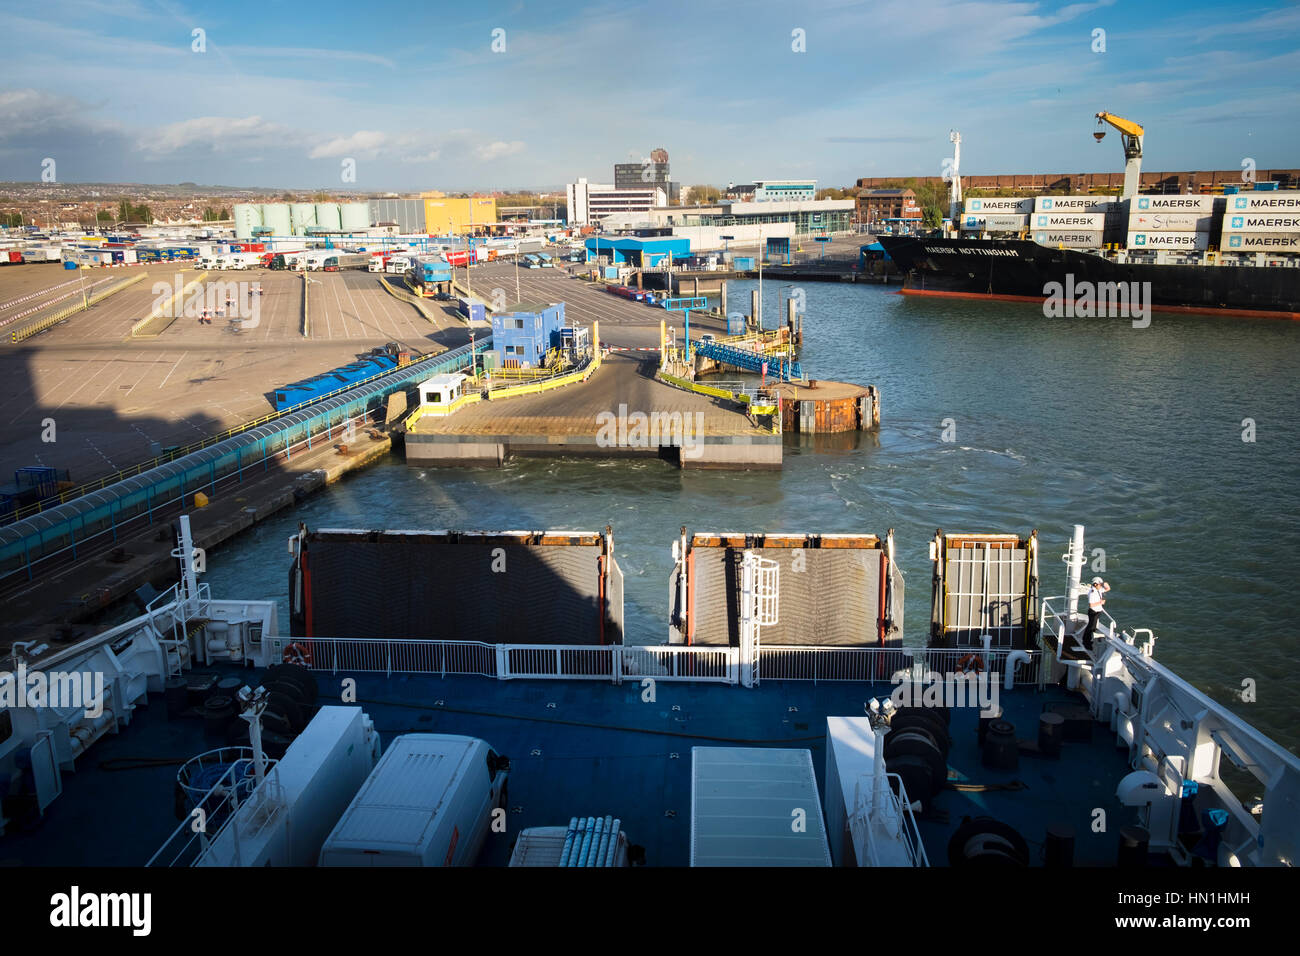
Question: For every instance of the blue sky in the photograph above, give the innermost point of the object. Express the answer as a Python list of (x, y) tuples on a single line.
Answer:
[(416, 96)]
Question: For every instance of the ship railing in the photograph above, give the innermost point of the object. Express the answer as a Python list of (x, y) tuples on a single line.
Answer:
[(1177, 736), (1067, 626), (896, 819), (617, 662), (894, 664), (217, 811)]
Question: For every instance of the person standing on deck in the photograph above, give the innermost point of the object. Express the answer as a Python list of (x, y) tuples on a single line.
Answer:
[(1096, 601)]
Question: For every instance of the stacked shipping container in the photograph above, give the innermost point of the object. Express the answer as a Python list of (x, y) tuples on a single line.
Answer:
[(1262, 222), (1074, 222), (1170, 222), (997, 215)]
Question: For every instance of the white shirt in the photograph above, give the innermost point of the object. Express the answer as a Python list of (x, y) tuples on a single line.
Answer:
[(1095, 597)]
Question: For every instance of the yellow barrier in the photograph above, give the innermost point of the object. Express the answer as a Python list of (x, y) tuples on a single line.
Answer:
[(52, 320), (741, 398), (406, 297), (703, 389), (440, 411), (535, 388), (171, 307)]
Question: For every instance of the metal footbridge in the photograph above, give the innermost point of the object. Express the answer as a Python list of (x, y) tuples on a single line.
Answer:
[(787, 369)]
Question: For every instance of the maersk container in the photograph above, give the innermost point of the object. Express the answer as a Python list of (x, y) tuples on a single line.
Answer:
[(1204, 205), (995, 223), (1184, 241), (1262, 222), (1258, 201), (1070, 239), (1080, 204), (1168, 222), (1260, 242), (1070, 221), (1000, 205), (428, 802)]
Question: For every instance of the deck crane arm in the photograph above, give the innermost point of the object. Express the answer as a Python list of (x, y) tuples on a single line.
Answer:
[(1131, 133)]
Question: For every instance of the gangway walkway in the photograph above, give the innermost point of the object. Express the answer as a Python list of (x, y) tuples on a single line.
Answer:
[(786, 369)]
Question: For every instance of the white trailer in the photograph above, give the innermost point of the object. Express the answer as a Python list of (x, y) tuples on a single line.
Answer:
[(429, 802)]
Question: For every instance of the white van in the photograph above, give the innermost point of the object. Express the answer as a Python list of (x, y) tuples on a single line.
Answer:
[(428, 802)]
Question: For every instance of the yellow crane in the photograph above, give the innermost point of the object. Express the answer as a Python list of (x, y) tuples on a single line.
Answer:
[(1131, 134)]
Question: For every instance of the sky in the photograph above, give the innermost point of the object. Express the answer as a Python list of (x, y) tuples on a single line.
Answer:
[(488, 95)]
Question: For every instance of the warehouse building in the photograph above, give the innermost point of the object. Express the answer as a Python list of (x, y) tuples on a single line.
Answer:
[(459, 216), (406, 214), (591, 202), (637, 251)]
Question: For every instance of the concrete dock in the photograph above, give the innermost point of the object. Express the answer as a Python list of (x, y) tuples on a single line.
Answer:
[(600, 417)]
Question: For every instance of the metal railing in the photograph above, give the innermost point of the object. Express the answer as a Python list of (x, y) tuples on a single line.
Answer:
[(617, 662), (220, 806)]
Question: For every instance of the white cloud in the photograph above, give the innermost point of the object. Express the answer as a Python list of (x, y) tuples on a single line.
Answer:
[(361, 143), (498, 149), (217, 133)]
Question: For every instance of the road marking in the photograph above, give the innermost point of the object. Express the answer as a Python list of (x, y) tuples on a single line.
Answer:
[(173, 368)]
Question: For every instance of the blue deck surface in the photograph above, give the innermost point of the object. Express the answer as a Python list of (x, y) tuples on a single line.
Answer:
[(593, 748)]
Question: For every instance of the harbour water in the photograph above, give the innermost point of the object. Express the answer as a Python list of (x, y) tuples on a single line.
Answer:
[(1136, 433)]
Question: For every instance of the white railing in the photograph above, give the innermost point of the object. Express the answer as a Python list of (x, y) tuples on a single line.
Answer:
[(1062, 626), (617, 663), (897, 817), (1174, 734), (220, 808)]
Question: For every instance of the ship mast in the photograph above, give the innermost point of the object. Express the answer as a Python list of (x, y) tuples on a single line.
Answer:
[(954, 185)]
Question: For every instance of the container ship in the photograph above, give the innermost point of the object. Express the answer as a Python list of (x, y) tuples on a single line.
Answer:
[(1236, 254)]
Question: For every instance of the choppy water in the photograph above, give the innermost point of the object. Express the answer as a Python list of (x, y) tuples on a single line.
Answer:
[(1136, 433)]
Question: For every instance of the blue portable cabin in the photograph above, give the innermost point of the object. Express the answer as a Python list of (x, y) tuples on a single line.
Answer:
[(524, 335), (473, 309)]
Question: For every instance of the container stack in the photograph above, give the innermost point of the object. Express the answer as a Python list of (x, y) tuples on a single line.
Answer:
[(1262, 222), (1074, 222), (997, 215), (1180, 223)]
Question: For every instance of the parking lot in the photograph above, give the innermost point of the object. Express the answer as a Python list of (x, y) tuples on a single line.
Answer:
[(104, 398)]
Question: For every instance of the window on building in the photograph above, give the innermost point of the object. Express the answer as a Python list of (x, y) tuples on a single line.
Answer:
[(519, 323)]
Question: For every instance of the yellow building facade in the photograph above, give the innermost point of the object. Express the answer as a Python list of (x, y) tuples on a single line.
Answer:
[(447, 215)]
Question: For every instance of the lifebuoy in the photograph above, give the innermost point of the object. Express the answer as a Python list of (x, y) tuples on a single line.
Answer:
[(971, 662), (297, 653)]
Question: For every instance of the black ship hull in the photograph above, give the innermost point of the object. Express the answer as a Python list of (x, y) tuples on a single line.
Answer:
[(1020, 270)]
